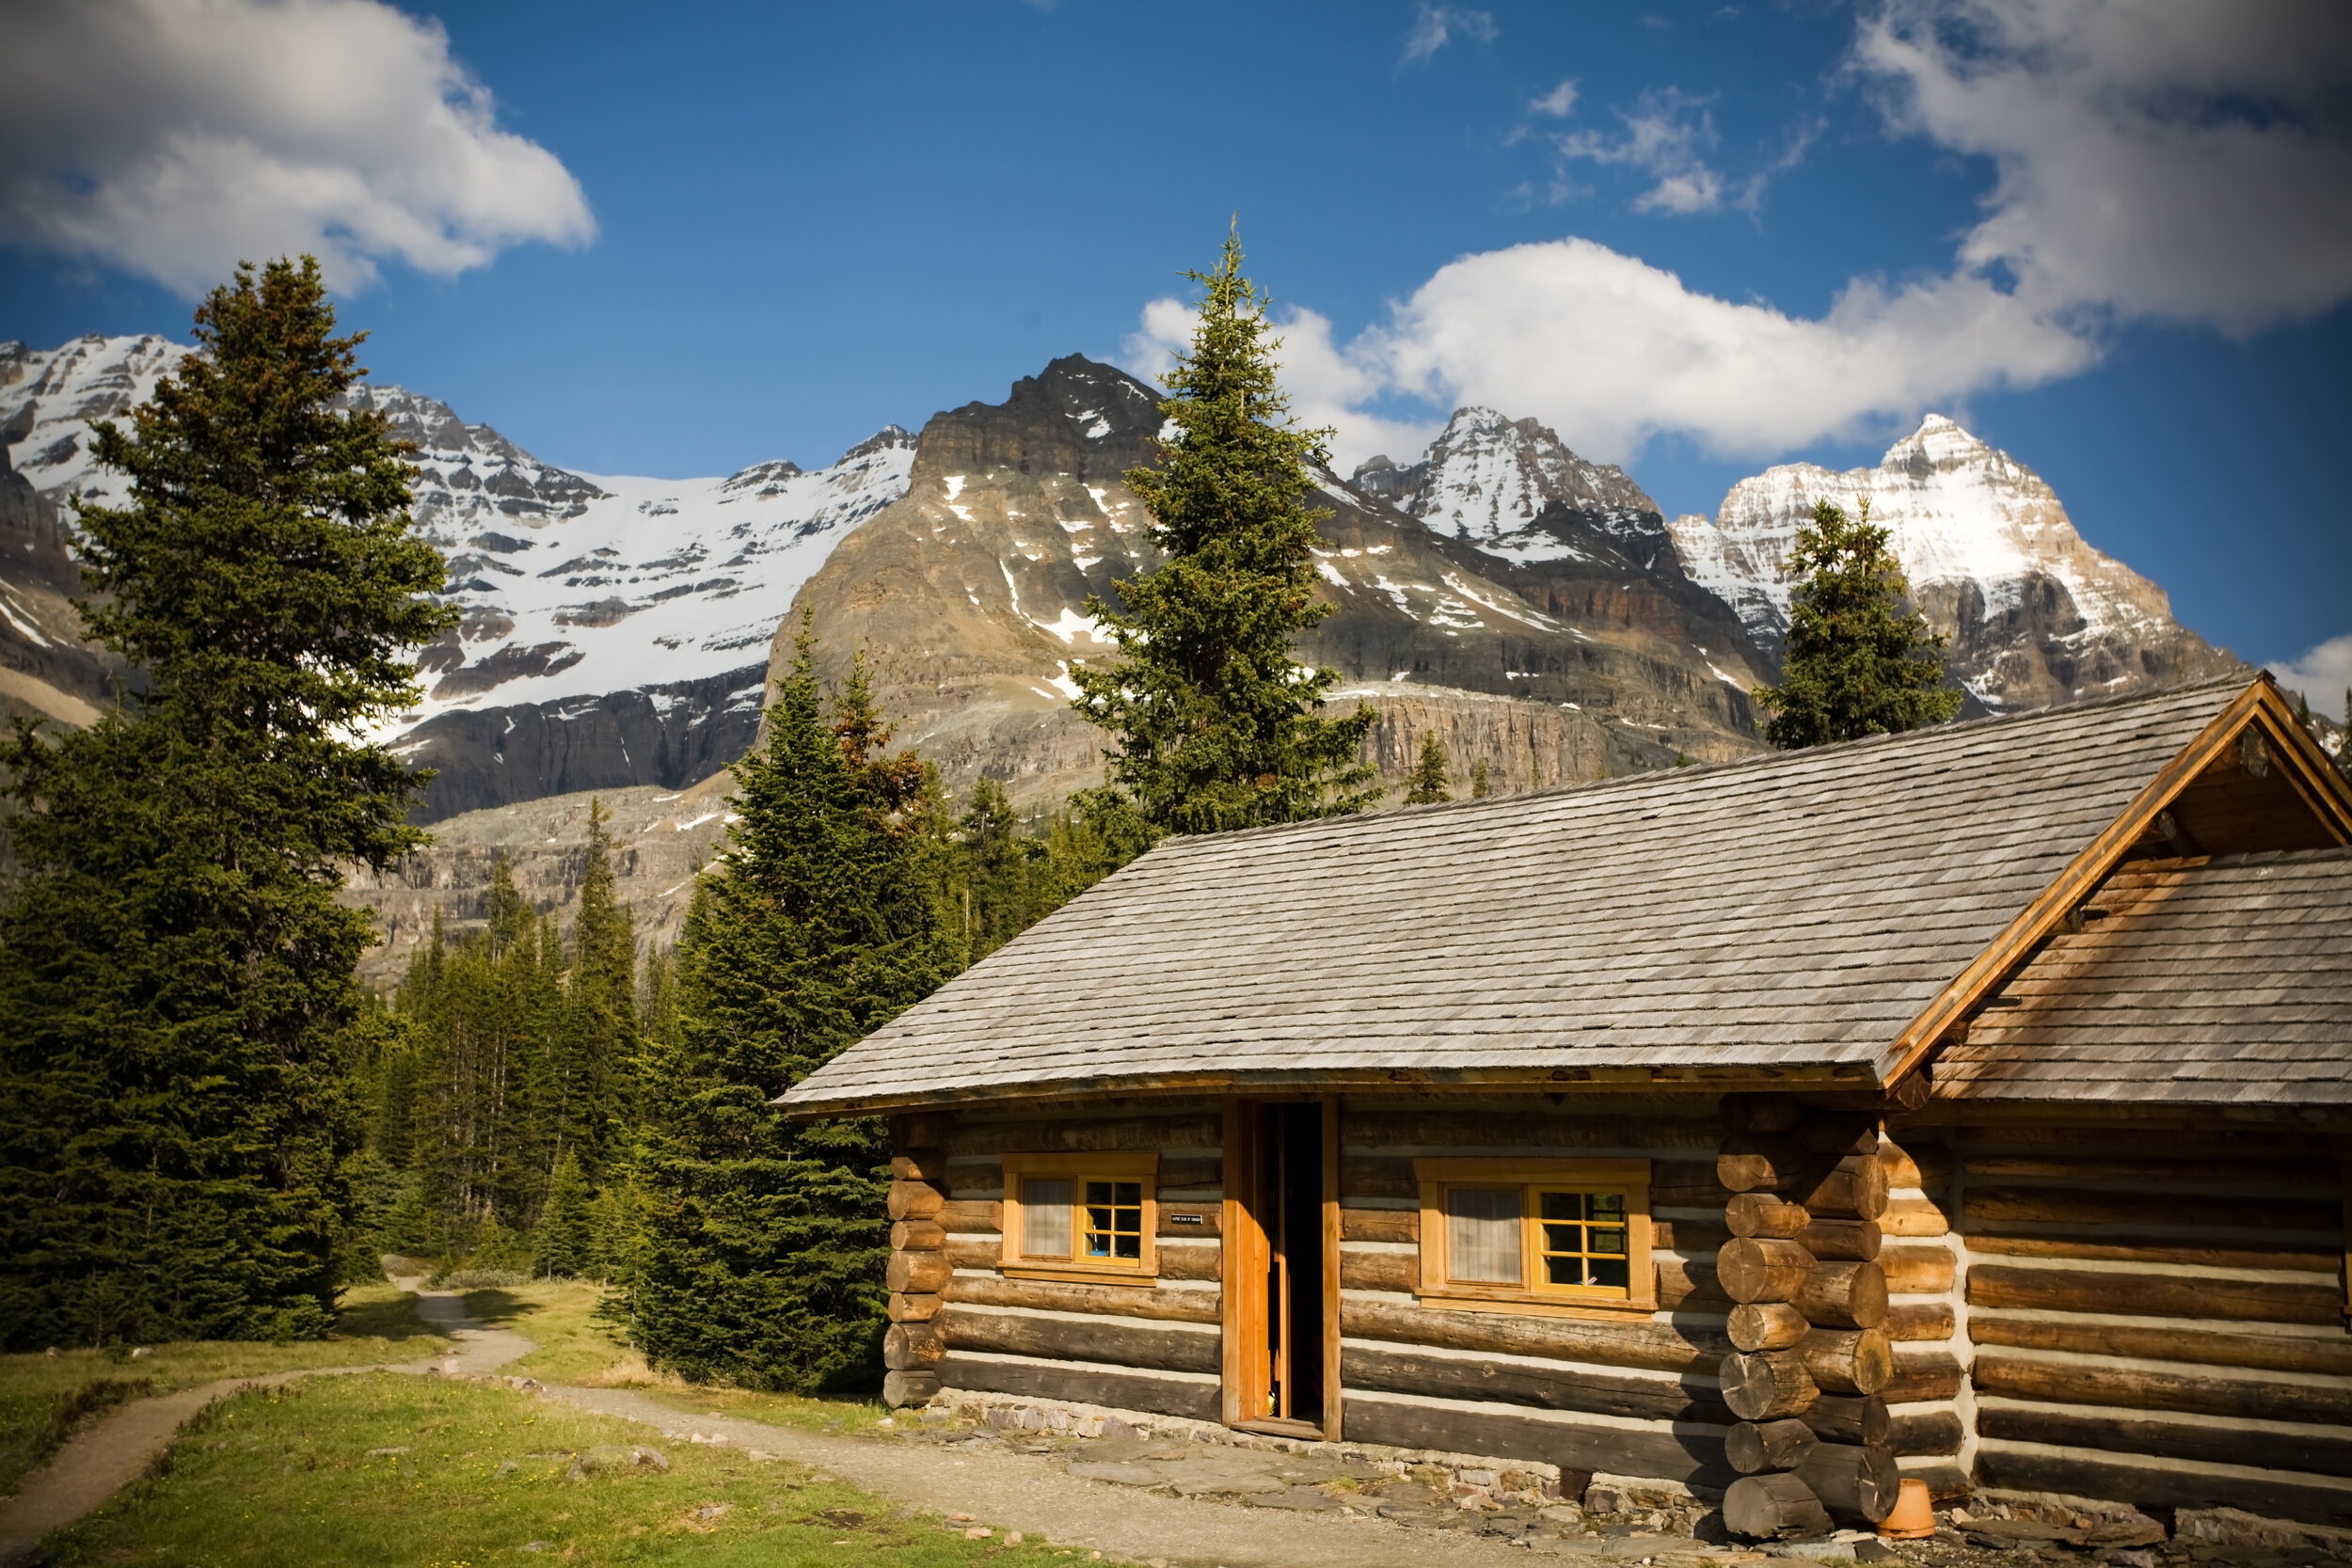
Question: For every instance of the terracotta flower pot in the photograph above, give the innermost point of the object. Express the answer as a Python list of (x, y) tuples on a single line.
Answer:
[(1913, 1518)]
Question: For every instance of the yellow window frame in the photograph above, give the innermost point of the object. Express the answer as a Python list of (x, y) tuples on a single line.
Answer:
[(1078, 1169), (1533, 1294)]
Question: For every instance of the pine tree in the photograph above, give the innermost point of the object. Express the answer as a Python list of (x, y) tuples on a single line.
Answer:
[(176, 980), (1429, 774), (1000, 872), (762, 1240), (1855, 662), (1216, 721), (562, 1244), (594, 1045), (1478, 781)]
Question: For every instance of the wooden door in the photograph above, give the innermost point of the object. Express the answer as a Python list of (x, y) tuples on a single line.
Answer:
[(1281, 1275)]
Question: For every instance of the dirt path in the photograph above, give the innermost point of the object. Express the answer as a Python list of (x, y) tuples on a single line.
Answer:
[(1018, 1492), (115, 1453)]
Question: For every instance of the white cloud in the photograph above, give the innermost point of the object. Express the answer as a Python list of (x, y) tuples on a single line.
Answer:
[(2322, 675), (1665, 138), (1559, 103), (1435, 26), (2184, 162), (176, 137)]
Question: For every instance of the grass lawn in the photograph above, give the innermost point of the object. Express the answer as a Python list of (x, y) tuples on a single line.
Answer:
[(408, 1470), (43, 1397)]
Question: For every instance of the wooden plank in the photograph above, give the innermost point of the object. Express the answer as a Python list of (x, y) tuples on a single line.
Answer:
[(1115, 1386), (1555, 1387), (2152, 1295), (1245, 1371), (1558, 1439), (2148, 1487), (1116, 1341), (2085, 1206), (2061, 1383), (1334, 1406), (1660, 1347), (1050, 1295), (2277, 1352), (2312, 1453)]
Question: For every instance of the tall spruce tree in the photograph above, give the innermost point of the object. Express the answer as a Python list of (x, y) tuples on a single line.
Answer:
[(593, 1051), (761, 1240), (1216, 721), (176, 977), (1429, 781), (1858, 661)]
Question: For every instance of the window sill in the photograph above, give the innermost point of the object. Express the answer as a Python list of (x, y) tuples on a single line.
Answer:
[(1539, 1307), (1078, 1274)]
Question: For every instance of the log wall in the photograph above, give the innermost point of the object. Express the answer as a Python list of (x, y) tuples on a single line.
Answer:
[(2150, 1313)]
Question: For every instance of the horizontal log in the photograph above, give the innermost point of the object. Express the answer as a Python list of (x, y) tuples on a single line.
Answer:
[(900, 1390), (1690, 1286), (1762, 1112), (1766, 1325), (1673, 1184), (1118, 1388), (1850, 1240), (1762, 1269), (1190, 1261), (1842, 1295), (1753, 1447), (1914, 1216), (2080, 1474), (917, 1236), (1765, 1214), (975, 1252), (2193, 1136), (1659, 1347), (920, 1129), (2312, 1454), (918, 1272), (1059, 1295), (1472, 1132), (2112, 1247), (1919, 1321), (1848, 1418), (1693, 1238), (1176, 1173), (1116, 1341), (905, 1308), (1925, 1432), (2135, 1388), (2277, 1352), (1848, 1361), (1380, 1271), (1762, 1386), (2082, 1206), (2280, 1176), (1854, 1188), (1594, 1392), (1761, 1161), (1775, 1507), (920, 1165), (1559, 1439), (1381, 1224), (1922, 1377), (1917, 1164), (1087, 1135), (915, 1201), (2152, 1296), (969, 1217), (913, 1347), (1191, 1219), (1853, 1481), (1918, 1270), (1837, 1135)]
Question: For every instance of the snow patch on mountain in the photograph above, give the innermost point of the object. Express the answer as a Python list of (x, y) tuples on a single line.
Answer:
[(1488, 479)]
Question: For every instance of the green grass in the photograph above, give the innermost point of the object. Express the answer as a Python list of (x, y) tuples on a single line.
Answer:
[(43, 1397), (287, 1475), (558, 1316)]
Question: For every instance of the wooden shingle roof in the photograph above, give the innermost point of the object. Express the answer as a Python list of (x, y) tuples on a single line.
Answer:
[(2226, 981), (1787, 915)]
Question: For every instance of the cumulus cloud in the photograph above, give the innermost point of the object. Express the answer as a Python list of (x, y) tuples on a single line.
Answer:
[(175, 137), (2322, 675), (2182, 161), (1435, 26), (1665, 137)]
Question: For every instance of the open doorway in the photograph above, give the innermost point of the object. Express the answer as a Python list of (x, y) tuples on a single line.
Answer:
[(1282, 1267)]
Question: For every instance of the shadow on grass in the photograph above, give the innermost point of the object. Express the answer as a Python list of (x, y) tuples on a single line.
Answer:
[(501, 1309), (381, 1316)]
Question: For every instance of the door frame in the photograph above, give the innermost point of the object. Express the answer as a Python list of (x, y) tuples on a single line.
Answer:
[(1248, 1251)]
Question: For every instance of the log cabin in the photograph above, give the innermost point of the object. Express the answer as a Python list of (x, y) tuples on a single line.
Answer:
[(1973, 1104)]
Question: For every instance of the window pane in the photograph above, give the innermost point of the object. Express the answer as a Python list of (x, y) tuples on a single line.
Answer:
[(1593, 1256), (1563, 1271), (1045, 1216), (1114, 1220), (1614, 1275), (1608, 1244), (1607, 1206), (1563, 1237), (1482, 1241), (1563, 1206)]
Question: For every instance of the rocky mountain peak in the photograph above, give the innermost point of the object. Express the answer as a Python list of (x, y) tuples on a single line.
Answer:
[(1077, 416), (1504, 484)]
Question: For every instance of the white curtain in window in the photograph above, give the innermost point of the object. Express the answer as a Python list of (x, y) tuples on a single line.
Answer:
[(1481, 1234), (1045, 1216)]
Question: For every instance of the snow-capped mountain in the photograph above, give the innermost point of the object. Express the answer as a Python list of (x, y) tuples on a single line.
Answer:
[(621, 624), (1501, 484), (2035, 614)]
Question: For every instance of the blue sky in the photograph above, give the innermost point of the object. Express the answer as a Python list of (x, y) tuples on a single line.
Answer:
[(680, 241)]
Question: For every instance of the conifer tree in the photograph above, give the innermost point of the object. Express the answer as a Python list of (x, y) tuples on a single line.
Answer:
[(176, 977), (592, 1050), (762, 1240), (1000, 871), (1429, 774), (1478, 780), (1216, 721), (562, 1244), (1857, 661)]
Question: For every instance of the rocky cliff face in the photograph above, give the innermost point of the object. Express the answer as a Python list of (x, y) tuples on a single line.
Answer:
[(46, 670), (2036, 616)]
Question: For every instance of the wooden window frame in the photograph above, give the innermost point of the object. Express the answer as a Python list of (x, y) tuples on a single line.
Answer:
[(1631, 1177), (1079, 1168)]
